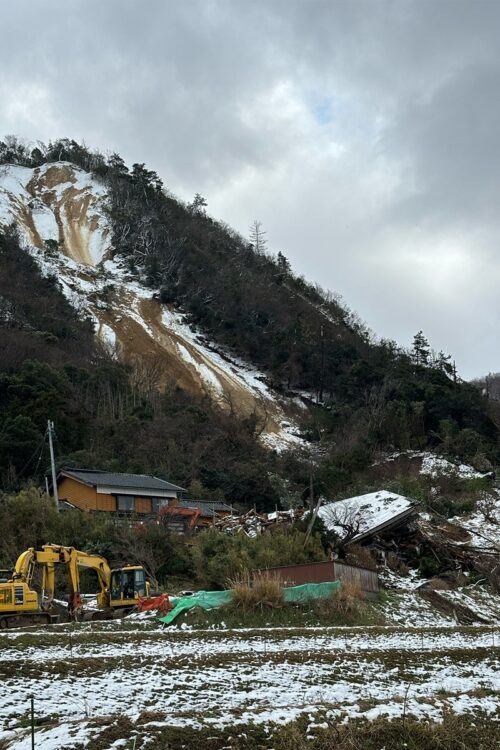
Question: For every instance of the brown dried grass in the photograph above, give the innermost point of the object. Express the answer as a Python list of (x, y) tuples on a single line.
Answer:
[(345, 602), (251, 594)]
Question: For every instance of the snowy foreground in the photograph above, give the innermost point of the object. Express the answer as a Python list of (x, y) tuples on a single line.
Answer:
[(152, 677)]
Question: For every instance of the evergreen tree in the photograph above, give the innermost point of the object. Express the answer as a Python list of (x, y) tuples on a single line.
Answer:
[(420, 349), (443, 362), (283, 263), (198, 205)]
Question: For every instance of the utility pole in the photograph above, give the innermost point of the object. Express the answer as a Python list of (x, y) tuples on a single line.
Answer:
[(50, 430), (322, 365)]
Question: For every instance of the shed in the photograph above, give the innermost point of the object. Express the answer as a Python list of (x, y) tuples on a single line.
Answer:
[(322, 572)]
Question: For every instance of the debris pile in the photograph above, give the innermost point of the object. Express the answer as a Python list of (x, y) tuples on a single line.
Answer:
[(253, 524), (417, 549)]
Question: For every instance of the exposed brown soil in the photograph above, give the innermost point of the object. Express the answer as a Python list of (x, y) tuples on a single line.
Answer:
[(154, 350)]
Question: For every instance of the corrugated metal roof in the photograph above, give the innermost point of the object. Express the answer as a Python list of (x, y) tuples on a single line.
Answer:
[(95, 477)]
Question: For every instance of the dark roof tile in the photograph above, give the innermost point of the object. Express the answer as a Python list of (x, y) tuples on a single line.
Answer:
[(126, 481)]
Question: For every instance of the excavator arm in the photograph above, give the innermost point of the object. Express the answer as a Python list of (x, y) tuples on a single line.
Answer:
[(92, 562), (24, 567), (48, 585), (54, 554), (74, 560), (120, 589)]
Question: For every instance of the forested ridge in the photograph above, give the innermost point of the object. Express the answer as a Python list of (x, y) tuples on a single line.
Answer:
[(364, 395)]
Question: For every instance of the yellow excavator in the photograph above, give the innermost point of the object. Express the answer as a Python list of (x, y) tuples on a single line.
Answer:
[(121, 589)]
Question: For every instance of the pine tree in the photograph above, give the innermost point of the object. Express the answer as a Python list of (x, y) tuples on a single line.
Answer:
[(443, 363), (198, 205), (420, 349), (283, 263)]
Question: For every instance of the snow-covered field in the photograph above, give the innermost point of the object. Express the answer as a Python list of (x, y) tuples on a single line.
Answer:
[(82, 674)]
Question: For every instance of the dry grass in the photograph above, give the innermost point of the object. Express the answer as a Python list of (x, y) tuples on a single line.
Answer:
[(396, 564), (453, 733), (346, 601), (258, 593)]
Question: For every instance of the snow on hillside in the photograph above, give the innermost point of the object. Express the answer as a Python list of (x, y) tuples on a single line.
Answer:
[(364, 512), (63, 203), (434, 466), (483, 524)]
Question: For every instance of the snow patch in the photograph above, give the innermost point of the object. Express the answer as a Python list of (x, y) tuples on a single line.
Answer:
[(207, 375)]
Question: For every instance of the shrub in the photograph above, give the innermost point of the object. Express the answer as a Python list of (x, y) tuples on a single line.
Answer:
[(218, 557), (361, 556)]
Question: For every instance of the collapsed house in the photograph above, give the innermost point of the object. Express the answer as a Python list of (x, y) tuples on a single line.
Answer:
[(395, 531), (366, 517)]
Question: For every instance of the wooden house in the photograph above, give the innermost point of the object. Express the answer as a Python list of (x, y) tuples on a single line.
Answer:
[(111, 492)]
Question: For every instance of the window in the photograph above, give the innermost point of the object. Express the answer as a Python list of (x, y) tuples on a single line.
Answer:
[(140, 582), (157, 503), (125, 503), (128, 584)]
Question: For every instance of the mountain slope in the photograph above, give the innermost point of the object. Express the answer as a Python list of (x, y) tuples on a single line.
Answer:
[(61, 211), (186, 301)]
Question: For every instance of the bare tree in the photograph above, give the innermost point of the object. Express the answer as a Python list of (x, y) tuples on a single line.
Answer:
[(258, 236), (343, 516)]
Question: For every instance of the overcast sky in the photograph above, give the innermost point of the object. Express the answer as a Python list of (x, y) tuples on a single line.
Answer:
[(364, 135)]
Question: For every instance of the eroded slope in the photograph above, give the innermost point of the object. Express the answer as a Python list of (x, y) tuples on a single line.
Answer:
[(60, 203)]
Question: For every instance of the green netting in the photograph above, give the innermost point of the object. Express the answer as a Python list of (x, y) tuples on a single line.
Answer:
[(310, 591), (211, 599), (203, 599)]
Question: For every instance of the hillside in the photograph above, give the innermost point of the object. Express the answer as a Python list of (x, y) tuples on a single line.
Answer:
[(62, 215), (187, 306)]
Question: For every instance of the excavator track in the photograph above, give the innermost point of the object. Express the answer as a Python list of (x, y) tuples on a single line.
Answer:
[(25, 619)]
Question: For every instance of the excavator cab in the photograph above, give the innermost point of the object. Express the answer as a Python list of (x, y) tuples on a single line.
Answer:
[(128, 585)]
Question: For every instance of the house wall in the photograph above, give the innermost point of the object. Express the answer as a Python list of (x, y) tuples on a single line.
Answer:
[(142, 505), (87, 498), (78, 494), (105, 502)]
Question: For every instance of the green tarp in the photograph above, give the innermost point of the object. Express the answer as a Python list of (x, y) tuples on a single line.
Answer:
[(211, 599), (310, 591)]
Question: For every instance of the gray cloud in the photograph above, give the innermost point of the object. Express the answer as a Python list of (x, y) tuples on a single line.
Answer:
[(365, 135)]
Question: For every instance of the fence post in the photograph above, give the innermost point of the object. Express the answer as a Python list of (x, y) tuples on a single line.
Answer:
[(32, 722)]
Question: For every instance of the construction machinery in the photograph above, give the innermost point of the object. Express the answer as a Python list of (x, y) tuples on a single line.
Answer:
[(121, 589)]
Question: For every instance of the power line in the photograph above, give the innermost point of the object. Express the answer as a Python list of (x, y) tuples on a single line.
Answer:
[(40, 448)]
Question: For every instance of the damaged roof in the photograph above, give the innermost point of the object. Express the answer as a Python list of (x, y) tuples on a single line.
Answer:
[(365, 515)]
